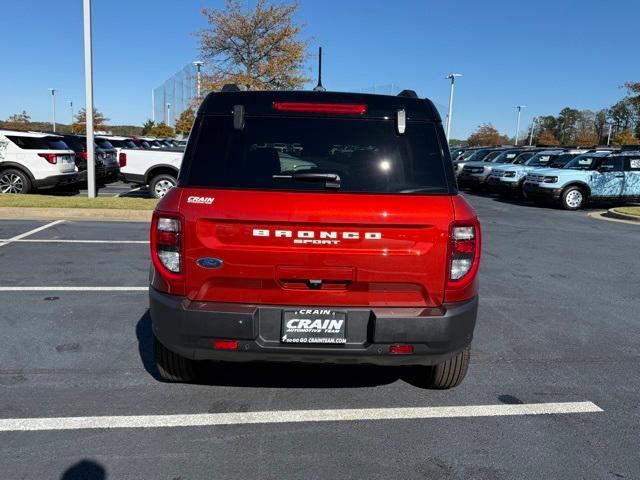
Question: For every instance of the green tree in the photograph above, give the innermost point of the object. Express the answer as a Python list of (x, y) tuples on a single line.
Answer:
[(620, 115), (162, 130), (147, 126), (547, 137), (80, 125), (19, 121), (185, 121), (258, 48), (486, 134), (567, 125), (625, 137)]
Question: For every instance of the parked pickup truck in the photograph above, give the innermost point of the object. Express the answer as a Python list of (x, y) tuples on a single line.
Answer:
[(156, 168)]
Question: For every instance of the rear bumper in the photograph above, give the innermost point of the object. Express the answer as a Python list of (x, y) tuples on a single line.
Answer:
[(189, 328), (56, 180), (534, 191)]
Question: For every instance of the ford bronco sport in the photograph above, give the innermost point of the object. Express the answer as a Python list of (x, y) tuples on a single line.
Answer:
[(315, 227)]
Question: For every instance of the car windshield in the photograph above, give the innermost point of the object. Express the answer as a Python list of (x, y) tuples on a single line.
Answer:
[(312, 154), (523, 157), (506, 157), (492, 156), (540, 159), (584, 162), (102, 143), (561, 160), (475, 155)]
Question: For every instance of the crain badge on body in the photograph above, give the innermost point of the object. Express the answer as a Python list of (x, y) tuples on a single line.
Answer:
[(202, 200)]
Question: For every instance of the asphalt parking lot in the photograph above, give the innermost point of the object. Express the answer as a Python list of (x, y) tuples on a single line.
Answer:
[(558, 324)]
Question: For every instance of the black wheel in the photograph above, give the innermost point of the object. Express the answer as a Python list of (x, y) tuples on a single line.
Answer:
[(449, 373), (573, 198), (161, 184), (14, 181), (171, 366)]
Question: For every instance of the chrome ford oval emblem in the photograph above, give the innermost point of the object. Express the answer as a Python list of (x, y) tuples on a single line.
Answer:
[(209, 262)]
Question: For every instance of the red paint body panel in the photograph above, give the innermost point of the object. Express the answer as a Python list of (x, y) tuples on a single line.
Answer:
[(389, 250)]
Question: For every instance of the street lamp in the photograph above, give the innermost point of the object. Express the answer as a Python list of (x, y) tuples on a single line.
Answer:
[(88, 88), (519, 108), (168, 114), (198, 65), (71, 107), (609, 134), (533, 127), (53, 108), (452, 77)]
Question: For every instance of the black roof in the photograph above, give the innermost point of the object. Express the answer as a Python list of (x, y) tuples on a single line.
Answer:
[(261, 103)]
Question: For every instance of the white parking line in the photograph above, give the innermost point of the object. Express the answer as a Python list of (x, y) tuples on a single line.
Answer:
[(73, 289), (54, 240), (30, 232), (291, 416)]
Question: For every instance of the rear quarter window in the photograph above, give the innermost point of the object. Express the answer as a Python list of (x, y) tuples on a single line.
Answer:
[(38, 143), (368, 155)]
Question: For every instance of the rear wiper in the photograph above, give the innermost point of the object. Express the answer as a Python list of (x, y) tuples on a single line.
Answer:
[(332, 180)]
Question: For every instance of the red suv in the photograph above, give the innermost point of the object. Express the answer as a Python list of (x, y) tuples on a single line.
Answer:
[(315, 227)]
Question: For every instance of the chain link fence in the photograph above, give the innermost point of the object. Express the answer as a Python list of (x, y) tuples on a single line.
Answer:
[(175, 95)]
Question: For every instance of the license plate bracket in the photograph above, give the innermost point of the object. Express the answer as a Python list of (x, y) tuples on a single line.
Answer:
[(314, 326)]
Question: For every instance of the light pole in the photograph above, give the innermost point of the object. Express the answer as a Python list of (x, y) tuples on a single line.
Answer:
[(153, 106), (533, 127), (53, 108), (198, 65), (88, 87), (519, 108), (452, 77), (71, 108), (609, 135), (168, 114)]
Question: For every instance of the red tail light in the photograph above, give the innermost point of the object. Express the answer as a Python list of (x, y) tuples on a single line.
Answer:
[(337, 108), (166, 244), (122, 159), (225, 344), (401, 349), (464, 260), (49, 157), (84, 155)]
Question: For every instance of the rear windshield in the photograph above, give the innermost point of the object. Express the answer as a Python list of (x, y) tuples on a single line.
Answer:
[(38, 143), (106, 144), (302, 154)]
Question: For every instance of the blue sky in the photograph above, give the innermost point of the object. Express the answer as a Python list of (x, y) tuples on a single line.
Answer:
[(543, 54)]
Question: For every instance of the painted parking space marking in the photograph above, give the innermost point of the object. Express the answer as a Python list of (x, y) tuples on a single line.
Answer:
[(54, 240), (291, 416), (30, 232), (56, 288)]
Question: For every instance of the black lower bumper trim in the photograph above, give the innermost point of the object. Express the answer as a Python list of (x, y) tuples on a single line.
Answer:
[(189, 328)]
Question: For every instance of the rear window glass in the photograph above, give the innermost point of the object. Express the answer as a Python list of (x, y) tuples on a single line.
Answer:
[(106, 144), (284, 153), (39, 143)]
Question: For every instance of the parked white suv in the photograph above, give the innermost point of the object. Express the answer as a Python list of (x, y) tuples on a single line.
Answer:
[(30, 160)]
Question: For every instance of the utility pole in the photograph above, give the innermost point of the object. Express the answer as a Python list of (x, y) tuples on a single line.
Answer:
[(53, 108), (452, 77), (198, 65), (153, 106), (88, 86), (519, 108), (609, 135), (533, 126)]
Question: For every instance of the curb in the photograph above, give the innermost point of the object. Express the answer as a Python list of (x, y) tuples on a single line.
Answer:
[(621, 216), (87, 214)]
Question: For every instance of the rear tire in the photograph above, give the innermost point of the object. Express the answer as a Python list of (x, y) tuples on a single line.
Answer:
[(449, 373), (14, 181), (161, 184), (573, 198), (171, 366)]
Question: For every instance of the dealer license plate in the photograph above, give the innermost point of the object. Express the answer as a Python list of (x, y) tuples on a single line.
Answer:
[(314, 325)]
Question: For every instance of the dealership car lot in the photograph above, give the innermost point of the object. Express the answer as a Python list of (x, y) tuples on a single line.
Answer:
[(558, 322)]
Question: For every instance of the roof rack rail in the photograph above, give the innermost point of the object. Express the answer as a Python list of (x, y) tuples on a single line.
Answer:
[(230, 87), (408, 93)]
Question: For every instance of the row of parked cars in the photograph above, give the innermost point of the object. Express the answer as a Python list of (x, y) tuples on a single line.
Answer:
[(40, 160), (569, 177)]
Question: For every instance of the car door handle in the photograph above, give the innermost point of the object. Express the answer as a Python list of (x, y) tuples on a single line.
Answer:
[(619, 175)]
